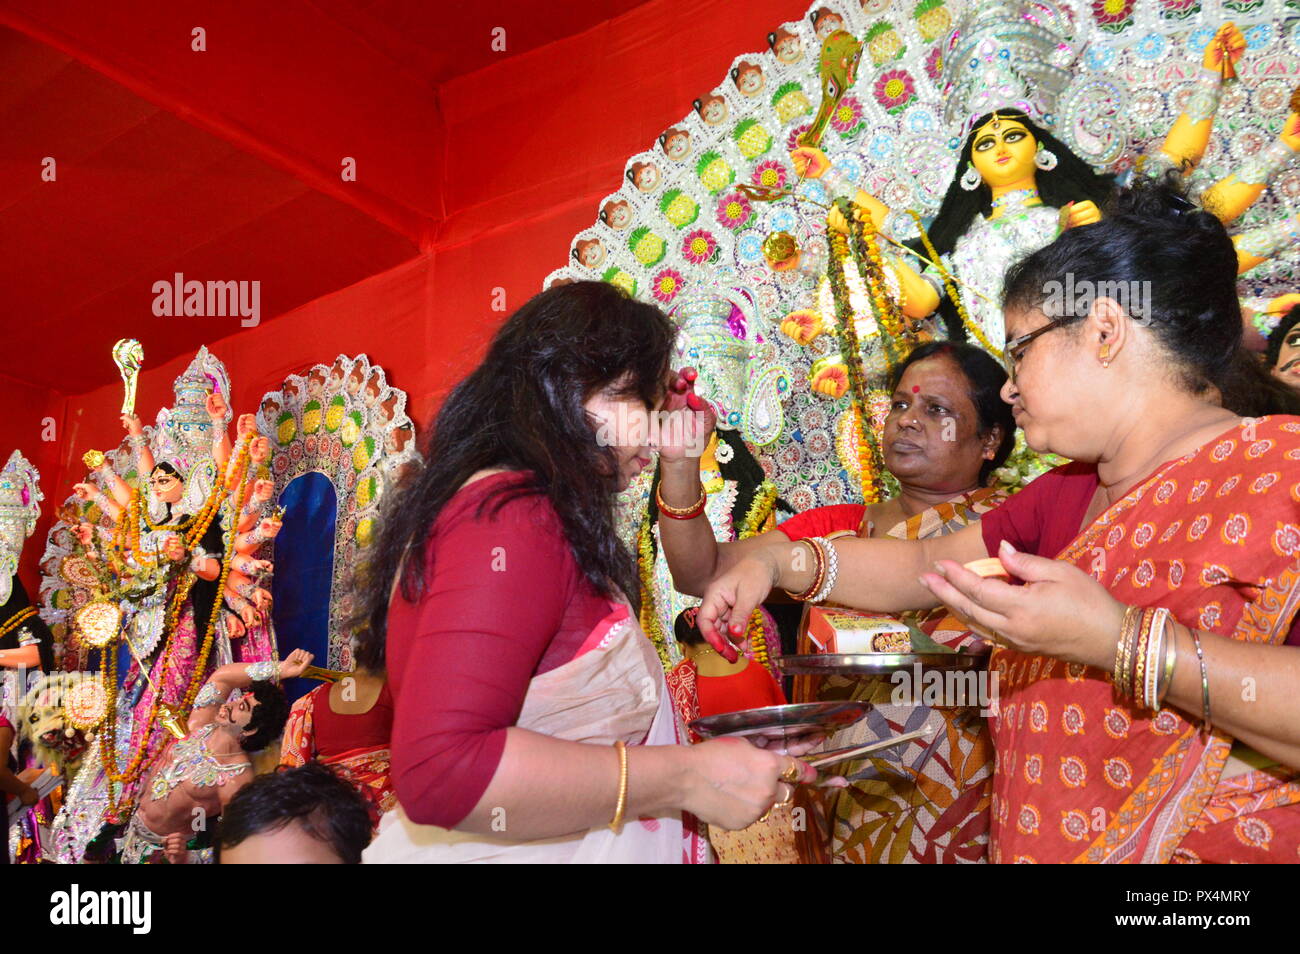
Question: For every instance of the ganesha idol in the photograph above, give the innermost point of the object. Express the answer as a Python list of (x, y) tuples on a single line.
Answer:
[(719, 336), (167, 552)]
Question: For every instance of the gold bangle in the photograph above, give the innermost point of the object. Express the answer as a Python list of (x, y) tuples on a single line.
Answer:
[(617, 824), (693, 509), (1137, 665), (819, 571), (1171, 660), (1121, 649)]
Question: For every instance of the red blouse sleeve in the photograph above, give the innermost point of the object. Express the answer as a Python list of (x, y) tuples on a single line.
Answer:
[(1045, 516), (460, 660), (820, 521)]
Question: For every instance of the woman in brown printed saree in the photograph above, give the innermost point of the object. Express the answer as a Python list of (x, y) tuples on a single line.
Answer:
[(1149, 703), (946, 433)]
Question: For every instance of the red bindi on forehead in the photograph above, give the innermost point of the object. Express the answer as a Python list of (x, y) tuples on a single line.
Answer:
[(916, 389)]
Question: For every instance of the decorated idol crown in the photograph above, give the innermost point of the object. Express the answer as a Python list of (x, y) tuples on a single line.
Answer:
[(20, 506), (184, 433), (186, 428), (1008, 55)]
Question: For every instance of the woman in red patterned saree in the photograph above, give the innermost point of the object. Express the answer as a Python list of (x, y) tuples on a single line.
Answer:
[(946, 433), (346, 725), (1149, 703)]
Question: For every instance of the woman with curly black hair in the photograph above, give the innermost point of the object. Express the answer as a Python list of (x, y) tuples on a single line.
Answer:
[(532, 721)]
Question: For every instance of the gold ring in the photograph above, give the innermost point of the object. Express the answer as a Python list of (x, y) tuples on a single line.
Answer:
[(763, 817), (788, 798), (792, 774)]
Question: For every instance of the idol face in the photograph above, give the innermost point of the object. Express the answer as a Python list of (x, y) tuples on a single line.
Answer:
[(1003, 152), (237, 712), (1287, 368), (166, 487)]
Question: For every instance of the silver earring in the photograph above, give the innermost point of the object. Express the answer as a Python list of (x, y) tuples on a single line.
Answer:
[(1045, 159), (970, 179)]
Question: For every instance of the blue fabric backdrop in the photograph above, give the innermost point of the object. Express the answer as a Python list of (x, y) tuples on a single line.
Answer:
[(304, 569)]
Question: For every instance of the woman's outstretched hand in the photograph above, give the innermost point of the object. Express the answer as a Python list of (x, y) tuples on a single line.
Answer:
[(731, 599), (1061, 611)]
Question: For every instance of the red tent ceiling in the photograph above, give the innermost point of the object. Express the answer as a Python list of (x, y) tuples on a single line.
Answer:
[(223, 164), (475, 167)]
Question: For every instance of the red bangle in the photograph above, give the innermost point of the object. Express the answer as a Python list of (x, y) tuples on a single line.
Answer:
[(677, 513)]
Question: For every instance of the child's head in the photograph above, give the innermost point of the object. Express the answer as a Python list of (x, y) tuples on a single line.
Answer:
[(686, 630)]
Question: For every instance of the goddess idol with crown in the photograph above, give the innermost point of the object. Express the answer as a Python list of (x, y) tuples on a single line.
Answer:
[(1017, 185), (164, 572)]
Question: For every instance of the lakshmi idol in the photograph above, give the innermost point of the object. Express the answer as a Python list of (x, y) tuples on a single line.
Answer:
[(1017, 186)]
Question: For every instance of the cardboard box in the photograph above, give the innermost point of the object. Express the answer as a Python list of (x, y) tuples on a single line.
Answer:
[(834, 629)]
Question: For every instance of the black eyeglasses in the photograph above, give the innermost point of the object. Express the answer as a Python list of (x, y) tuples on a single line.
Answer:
[(1015, 348)]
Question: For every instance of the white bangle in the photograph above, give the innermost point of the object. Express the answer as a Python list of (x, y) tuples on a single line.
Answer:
[(832, 570)]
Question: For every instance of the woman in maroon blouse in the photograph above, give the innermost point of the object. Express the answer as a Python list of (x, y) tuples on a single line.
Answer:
[(532, 721), (1160, 570)]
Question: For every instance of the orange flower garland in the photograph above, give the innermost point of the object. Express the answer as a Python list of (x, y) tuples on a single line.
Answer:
[(197, 526)]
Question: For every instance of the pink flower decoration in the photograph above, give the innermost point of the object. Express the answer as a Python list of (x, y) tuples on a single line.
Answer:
[(847, 115), (934, 63), (792, 140), (894, 89), (667, 284), (770, 173), (699, 246), (733, 210), (1108, 12)]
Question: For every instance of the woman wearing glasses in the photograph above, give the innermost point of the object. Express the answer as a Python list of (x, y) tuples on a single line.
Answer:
[(1148, 708)]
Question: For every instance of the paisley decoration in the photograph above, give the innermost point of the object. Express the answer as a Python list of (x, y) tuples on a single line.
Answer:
[(1110, 82)]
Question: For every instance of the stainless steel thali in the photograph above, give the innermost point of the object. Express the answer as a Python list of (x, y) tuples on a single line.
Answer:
[(783, 723), (874, 664)]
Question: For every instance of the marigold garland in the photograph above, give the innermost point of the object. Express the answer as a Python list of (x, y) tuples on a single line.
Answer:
[(22, 616), (861, 243), (197, 527), (760, 509), (951, 287)]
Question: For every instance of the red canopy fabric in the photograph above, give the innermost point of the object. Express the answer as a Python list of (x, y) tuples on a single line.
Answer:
[(475, 167)]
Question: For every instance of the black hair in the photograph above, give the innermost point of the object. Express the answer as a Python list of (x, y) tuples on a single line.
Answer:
[(984, 379), (327, 806), (1153, 236), (686, 629), (1278, 335), (268, 718), (522, 409), (167, 467), (1072, 180)]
